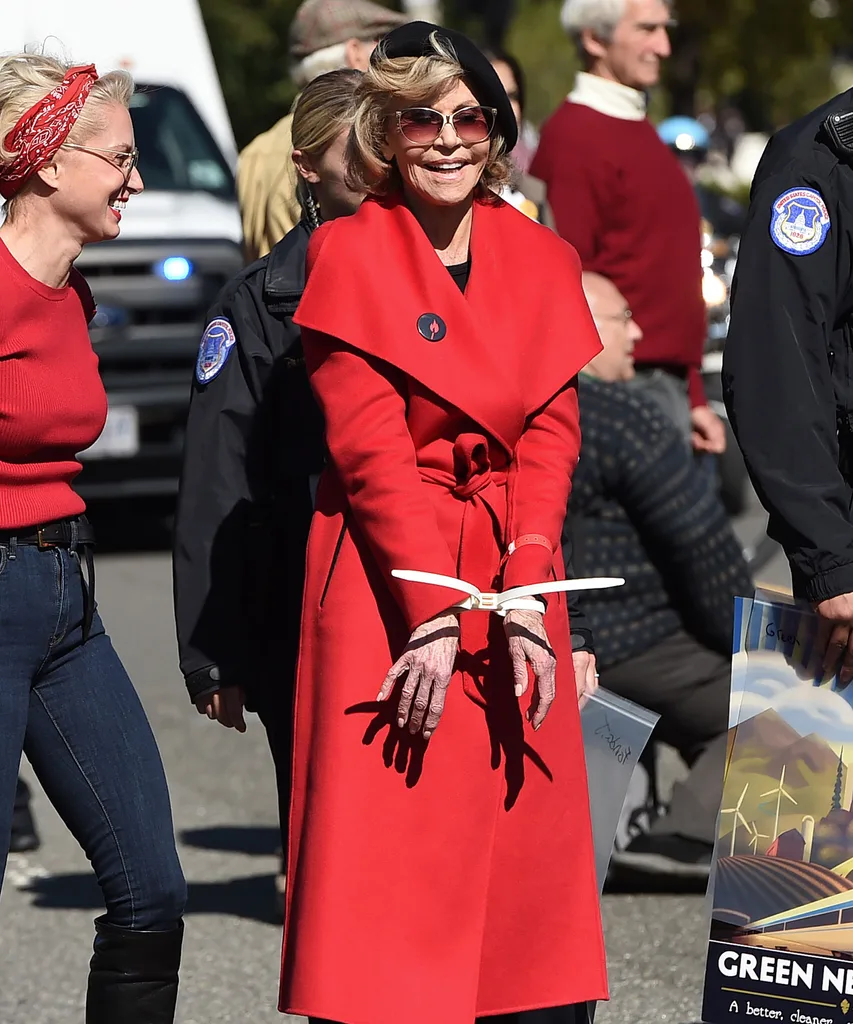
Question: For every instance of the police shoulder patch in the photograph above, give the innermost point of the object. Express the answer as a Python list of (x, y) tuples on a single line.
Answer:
[(800, 221), (216, 344)]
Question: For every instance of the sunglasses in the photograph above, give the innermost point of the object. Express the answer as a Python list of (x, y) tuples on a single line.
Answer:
[(423, 125)]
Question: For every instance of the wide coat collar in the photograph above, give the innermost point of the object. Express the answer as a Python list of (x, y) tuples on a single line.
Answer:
[(518, 335)]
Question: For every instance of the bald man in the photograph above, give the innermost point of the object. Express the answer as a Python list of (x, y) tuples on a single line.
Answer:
[(641, 509)]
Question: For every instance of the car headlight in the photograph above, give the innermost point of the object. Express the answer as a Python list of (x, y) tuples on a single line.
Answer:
[(174, 268)]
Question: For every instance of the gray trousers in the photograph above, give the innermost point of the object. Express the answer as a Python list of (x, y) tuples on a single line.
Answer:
[(687, 684)]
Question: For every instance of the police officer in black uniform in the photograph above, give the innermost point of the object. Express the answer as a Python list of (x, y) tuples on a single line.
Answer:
[(254, 449), (788, 364)]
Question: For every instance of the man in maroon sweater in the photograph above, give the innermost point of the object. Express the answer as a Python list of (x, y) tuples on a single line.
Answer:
[(620, 197)]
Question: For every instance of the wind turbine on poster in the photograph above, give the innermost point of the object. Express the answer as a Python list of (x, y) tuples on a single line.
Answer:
[(738, 816), (755, 835), (779, 792)]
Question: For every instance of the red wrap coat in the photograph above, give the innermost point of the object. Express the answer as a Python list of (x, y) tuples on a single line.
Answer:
[(433, 882)]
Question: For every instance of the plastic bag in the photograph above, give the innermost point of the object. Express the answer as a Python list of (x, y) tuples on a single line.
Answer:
[(615, 731)]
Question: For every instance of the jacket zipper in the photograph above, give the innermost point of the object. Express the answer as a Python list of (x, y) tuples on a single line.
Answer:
[(335, 557)]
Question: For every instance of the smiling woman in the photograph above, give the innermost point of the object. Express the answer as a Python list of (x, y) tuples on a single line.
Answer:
[(460, 140), (67, 167), (93, 123), (440, 851)]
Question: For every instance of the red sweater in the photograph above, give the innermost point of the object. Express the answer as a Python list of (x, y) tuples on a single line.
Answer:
[(622, 200), (52, 401)]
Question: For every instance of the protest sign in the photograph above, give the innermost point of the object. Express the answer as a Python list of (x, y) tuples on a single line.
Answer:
[(781, 935)]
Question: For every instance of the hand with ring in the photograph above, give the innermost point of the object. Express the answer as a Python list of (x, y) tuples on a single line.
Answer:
[(837, 615)]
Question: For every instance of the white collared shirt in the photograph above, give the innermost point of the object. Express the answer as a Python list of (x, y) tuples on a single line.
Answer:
[(608, 97)]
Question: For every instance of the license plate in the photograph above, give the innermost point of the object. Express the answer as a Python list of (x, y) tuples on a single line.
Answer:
[(120, 437)]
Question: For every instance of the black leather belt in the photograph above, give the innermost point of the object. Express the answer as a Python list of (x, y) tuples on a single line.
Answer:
[(75, 534), (57, 535)]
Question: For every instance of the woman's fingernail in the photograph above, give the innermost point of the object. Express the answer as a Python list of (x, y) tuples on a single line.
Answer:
[(519, 689), (427, 734), (401, 722), (380, 695)]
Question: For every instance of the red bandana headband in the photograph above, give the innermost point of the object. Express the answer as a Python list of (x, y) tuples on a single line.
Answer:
[(44, 127)]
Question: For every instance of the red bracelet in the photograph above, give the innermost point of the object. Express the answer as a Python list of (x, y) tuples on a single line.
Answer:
[(530, 538), (524, 540)]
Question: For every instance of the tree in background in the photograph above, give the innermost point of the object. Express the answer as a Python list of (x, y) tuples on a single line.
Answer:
[(249, 43), (773, 59)]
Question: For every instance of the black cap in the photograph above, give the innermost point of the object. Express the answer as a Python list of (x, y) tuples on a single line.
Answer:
[(413, 40)]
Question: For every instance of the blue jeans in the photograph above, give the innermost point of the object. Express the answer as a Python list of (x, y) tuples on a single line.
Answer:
[(72, 708)]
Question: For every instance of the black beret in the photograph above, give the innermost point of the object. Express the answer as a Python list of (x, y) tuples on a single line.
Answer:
[(413, 40)]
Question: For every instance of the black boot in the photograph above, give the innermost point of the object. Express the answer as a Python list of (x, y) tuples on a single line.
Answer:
[(133, 976)]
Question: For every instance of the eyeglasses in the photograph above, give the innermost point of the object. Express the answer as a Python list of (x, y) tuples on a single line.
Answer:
[(423, 125), (125, 160)]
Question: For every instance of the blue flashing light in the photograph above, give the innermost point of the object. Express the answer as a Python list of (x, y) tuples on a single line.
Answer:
[(175, 268)]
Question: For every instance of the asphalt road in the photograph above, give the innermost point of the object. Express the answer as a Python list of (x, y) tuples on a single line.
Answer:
[(223, 798)]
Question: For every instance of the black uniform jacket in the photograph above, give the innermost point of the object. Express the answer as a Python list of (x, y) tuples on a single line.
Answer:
[(788, 363), (254, 441)]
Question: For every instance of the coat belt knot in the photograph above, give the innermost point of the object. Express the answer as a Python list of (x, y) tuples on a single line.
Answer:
[(472, 466)]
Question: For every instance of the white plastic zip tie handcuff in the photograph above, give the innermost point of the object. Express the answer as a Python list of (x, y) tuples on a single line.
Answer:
[(516, 597)]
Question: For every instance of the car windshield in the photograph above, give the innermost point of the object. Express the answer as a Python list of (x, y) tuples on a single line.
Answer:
[(176, 151)]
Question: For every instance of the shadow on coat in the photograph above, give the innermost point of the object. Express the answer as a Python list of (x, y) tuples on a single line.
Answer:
[(406, 753), (400, 749), (251, 897)]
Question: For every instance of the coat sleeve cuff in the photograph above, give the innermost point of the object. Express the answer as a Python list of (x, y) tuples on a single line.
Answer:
[(531, 564), (421, 602), (202, 681), (831, 583)]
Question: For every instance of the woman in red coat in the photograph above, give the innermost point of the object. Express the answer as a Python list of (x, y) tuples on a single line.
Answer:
[(441, 861)]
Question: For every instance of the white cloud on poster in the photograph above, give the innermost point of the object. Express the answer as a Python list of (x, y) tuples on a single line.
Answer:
[(769, 682), (818, 710)]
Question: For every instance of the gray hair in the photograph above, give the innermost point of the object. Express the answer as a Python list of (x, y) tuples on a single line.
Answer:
[(598, 16), (320, 62)]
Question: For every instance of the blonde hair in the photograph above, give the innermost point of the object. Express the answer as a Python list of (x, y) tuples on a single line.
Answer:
[(415, 80), (323, 109), (26, 78)]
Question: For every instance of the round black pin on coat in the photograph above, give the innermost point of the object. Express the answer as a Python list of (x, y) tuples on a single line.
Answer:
[(431, 327)]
